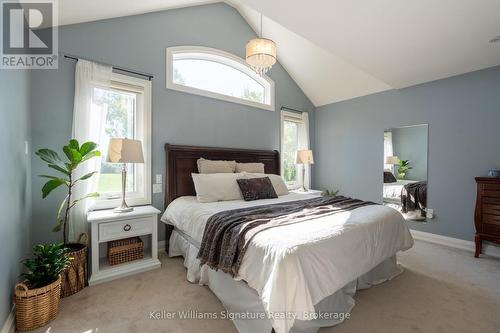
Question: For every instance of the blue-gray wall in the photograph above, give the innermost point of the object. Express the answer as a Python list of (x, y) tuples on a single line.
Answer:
[(139, 42), (410, 143), (15, 197), (463, 114)]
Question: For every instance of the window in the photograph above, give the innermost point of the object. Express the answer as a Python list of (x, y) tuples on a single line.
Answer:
[(294, 136), (124, 112), (217, 74)]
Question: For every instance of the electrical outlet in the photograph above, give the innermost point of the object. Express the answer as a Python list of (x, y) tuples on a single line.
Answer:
[(429, 213), (158, 179), (157, 188)]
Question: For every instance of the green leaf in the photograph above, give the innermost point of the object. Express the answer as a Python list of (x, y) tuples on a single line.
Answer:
[(49, 156), (73, 155), (55, 178), (87, 176), (73, 144), (88, 156), (90, 195), (58, 226), (60, 169), (61, 206), (50, 186), (87, 147)]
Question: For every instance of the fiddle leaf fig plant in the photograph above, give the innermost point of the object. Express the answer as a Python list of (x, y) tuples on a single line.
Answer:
[(75, 156), (404, 166)]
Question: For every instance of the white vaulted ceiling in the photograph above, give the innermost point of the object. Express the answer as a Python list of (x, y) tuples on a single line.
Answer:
[(341, 49), (401, 43)]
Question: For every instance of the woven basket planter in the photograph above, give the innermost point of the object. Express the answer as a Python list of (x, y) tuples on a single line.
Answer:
[(36, 307), (74, 278)]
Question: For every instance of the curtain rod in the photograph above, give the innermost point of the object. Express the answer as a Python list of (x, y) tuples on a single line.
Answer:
[(121, 69), (290, 109)]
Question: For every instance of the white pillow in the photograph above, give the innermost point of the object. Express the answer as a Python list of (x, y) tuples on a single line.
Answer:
[(250, 167), (209, 166), (277, 181), (217, 186)]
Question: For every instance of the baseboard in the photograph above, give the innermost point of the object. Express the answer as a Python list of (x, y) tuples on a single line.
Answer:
[(161, 246), (488, 249), (10, 323)]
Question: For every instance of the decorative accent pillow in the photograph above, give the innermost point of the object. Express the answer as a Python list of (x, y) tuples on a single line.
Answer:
[(250, 167), (209, 166), (256, 188), (389, 177), (277, 181), (217, 186)]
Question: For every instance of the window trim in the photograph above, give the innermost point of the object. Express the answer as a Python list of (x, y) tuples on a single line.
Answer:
[(143, 124), (224, 58), (296, 118)]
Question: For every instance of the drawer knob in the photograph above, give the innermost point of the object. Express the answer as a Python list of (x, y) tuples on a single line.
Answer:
[(127, 227)]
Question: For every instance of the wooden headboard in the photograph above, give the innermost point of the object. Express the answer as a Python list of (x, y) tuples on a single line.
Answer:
[(181, 163)]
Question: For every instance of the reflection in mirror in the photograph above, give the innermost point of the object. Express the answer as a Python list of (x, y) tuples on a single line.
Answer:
[(405, 170)]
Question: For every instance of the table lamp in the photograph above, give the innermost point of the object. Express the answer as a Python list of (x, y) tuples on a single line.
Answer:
[(304, 157), (392, 160), (124, 151)]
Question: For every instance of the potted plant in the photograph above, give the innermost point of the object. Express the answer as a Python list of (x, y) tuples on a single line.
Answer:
[(37, 298), (74, 278), (404, 166)]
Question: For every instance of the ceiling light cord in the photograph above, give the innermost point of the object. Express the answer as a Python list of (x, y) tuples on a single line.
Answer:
[(260, 25)]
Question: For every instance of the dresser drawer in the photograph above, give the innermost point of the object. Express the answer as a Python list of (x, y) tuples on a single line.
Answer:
[(491, 190), (125, 228), (491, 209), (491, 219), (491, 229)]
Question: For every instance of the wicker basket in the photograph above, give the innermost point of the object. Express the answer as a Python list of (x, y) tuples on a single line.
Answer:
[(74, 278), (36, 307), (125, 250)]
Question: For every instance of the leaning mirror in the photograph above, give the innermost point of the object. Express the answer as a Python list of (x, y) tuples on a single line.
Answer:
[(405, 170)]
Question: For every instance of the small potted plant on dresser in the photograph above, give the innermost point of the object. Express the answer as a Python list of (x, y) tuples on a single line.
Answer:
[(74, 278), (37, 298)]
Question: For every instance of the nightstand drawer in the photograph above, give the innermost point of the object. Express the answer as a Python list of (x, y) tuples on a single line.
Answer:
[(125, 228)]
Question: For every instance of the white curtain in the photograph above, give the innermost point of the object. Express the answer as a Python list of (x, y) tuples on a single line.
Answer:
[(388, 150), (88, 125), (304, 143)]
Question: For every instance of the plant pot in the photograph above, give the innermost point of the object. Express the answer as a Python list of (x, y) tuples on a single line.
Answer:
[(36, 307), (74, 278)]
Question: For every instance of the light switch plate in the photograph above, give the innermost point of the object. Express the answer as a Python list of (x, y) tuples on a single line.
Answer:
[(157, 188), (158, 179)]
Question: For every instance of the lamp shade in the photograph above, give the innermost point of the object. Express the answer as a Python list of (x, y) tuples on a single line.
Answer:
[(261, 54), (392, 160), (305, 157), (125, 151)]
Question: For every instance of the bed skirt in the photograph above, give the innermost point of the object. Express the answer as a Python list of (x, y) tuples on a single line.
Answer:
[(244, 302)]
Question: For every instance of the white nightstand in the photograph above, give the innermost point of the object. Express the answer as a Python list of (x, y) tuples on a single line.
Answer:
[(107, 225), (310, 191)]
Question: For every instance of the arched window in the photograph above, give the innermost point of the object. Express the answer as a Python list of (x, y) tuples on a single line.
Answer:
[(214, 73)]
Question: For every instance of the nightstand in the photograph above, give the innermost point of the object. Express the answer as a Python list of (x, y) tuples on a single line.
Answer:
[(107, 225), (310, 191)]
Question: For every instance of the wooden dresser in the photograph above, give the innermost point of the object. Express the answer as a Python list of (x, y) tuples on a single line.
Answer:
[(487, 215)]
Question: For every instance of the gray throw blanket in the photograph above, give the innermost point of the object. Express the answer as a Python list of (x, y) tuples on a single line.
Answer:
[(228, 233), (414, 196)]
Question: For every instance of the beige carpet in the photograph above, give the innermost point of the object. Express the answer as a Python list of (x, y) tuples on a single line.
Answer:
[(442, 290)]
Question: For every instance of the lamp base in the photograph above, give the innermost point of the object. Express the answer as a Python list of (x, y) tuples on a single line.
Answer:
[(123, 209)]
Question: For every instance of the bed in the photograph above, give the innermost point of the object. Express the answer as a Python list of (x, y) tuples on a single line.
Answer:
[(293, 278), (392, 191)]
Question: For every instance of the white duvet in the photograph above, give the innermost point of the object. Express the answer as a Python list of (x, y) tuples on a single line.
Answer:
[(294, 267)]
